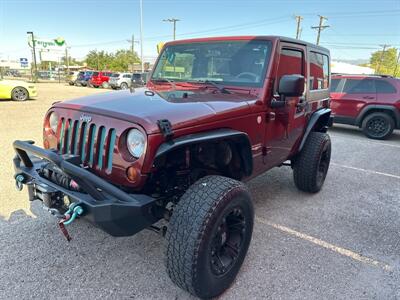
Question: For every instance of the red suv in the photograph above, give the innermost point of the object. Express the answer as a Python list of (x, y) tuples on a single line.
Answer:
[(371, 102), (100, 79)]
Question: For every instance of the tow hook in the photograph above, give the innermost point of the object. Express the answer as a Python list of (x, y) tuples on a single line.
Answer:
[(19, 180), (70, 215)]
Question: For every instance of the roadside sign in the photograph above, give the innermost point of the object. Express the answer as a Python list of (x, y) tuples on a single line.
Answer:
[(23, 62)]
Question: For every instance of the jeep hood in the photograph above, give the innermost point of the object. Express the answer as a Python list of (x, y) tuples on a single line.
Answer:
[(145, 107)]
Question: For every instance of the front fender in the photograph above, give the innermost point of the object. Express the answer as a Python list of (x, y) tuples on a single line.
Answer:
[(240, 139)]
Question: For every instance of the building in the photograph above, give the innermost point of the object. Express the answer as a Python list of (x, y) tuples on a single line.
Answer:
[(346, 68)]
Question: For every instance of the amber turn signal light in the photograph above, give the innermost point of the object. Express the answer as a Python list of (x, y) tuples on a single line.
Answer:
[(132, 174)]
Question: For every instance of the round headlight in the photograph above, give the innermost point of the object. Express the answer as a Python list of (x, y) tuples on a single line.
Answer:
[(136, 142), (53, 121)]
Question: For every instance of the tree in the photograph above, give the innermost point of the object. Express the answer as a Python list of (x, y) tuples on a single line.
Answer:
[(123, 59), (120, 61), (385, 63), (99, 60)]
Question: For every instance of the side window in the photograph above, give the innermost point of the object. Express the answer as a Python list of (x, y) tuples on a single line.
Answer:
[(319, 71), (359, 86), (290, 62), (384, 87)]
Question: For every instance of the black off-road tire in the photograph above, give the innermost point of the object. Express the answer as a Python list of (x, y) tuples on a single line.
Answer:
[(311, 165), (378, 126), (197, 230)]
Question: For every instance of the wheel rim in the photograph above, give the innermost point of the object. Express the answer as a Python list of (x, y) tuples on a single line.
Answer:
[(124, 86), (227, 242), (323, 165), (20, 94), (377, 127)]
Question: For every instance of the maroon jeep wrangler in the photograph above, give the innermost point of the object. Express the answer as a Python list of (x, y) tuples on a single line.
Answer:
[(216, 112)]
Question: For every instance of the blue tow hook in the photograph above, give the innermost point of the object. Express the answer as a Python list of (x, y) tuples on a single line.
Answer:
[(19, 180), (70, 215)]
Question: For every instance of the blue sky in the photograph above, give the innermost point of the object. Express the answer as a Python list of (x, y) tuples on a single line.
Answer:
[(358, 27)]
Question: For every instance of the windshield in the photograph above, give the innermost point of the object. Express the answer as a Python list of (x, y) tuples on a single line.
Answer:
[(115, 75), (241, 63)]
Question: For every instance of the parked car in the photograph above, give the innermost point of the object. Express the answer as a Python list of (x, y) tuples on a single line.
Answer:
[(13, 73), (139, 79), (371, 103), (100, 79), (47, 75), (72, 77), (83, 78), (180, 149), (17, 90), (120, 81)]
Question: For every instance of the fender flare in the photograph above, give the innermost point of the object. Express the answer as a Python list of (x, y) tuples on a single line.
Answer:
[(319, 121), (381, 107), (240, 139)]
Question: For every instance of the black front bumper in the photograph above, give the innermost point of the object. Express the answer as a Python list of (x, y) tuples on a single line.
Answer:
[(108, 207)]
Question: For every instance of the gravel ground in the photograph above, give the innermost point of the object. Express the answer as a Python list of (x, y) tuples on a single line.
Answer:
[(341, 243)]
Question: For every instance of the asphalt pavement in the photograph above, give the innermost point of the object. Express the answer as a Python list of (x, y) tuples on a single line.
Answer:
[(341, 243)]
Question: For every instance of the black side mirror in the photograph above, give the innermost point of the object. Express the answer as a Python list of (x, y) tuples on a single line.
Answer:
[(291, 86)]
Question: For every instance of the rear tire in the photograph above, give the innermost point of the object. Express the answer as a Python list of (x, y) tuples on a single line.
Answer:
[(19, 93), (378, 126), (312, 163), (208, 236)]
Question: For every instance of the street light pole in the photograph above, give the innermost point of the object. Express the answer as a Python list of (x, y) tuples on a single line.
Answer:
[(172, 20), (66, 58), (34, 54), (141, 34)]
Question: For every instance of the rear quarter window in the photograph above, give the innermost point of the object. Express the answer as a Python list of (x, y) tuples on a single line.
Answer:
[(384, 87), (319, 71)]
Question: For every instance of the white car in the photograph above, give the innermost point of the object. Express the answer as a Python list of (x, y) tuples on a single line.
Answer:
[(120, 81)]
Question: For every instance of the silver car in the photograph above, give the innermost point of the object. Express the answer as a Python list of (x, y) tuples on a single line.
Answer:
[(120, 81)]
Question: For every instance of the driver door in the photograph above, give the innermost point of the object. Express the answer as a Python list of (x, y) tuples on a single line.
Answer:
[(285, 124)]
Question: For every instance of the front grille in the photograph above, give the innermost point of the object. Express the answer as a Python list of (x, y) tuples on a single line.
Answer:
[(94, 144)]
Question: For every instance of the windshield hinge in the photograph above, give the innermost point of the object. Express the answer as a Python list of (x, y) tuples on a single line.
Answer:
[(165, 128)]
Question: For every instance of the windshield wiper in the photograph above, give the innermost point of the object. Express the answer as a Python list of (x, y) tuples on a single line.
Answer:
[(219, 87)]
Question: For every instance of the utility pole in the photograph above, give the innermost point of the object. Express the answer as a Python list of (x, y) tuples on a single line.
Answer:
[(141, 34), (320, 27), (381, 58), (397, 63), (172, 20), (66, 58), (298, 20), (34, 54), (132, 41)]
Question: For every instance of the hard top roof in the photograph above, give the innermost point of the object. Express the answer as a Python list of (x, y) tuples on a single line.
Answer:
[(250, 37)]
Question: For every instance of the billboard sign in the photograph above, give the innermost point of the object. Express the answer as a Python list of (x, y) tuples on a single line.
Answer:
[(57, 44)]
